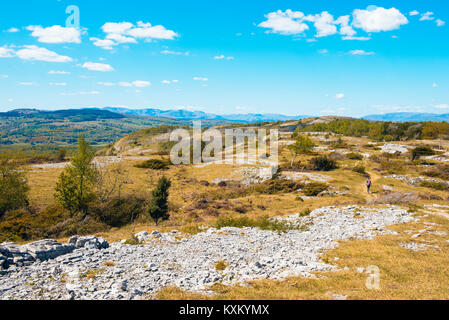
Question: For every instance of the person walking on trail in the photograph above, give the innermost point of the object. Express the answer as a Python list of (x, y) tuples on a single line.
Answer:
[(368, 185)]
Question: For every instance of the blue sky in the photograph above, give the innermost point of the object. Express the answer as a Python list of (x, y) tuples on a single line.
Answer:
[(291, 57)]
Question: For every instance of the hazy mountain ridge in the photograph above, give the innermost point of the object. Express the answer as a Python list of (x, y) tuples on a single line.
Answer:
[(200, 115)]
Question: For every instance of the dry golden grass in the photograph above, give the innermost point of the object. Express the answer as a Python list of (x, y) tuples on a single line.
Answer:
[(404, 274)]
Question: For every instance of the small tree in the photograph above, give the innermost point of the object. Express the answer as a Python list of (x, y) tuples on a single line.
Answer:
[(418, 152), (74, 189), (158, 208), (302, 145), (61, 155), (13, 186)]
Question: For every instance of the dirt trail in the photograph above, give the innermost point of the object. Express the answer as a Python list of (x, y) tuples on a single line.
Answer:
[(375, 188)]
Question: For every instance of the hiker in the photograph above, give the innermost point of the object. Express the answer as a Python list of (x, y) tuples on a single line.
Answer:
[(368, 185)]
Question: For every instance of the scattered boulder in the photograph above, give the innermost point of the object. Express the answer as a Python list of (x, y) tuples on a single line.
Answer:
[(90, 242), (44, 250)]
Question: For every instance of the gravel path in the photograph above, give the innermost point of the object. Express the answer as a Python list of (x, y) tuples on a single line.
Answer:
[(132, 272)]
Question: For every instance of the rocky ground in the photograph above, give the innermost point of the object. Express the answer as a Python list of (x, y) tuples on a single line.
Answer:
[(90, 268)]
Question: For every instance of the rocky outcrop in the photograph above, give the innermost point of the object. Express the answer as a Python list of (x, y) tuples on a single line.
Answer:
[(43, 250), (123, 271)]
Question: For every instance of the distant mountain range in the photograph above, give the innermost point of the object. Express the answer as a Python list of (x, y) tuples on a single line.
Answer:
[(200, 115), (408, 117)]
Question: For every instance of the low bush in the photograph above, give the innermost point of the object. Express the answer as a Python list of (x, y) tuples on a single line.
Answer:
[(322, 164), (314, 188), (274, 186), (359, 169), (354, 156), (154, 164), (421, 151), (434, 185), (119, 212), (263, 223)]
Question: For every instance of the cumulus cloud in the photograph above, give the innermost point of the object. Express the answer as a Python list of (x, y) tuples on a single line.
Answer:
[(59, 84), (55, 34), (379, 19), (103, 43), (82, 93), (414, 13), (361, 53), (323, 51), (324, 24), (95, 66), (126, 32), (288, 22), (200, 79), (442, 106), (41, 54), (373, 19), (6, 52), (339, 96), (27, 84)]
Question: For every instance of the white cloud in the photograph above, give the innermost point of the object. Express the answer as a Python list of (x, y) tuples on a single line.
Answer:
[(59, 84), (345, 28), (339, 96), (120, 38), (323, 51), (141, 84), (82, 93), (442, 106), (169, 81), (414, 13), (427, 16), (324, 24), (12, 30), (379, 19), (126, 32), (55, 34), (41, 54), (137, 84), (106, 84), (223, 57), (27, 83), (4, 76), (58, 72), (6, 52), (440, 23), (435, 85), (361, 53), (146, 30), (176, 53), (200, 79), (117, 27), (287, 23), (94, 66), (103, 43), (356, 38)]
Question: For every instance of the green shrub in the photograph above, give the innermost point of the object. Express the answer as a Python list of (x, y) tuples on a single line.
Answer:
[(421, 151), (158, 208), (322, 163), (354, 156), (154, 164), (434, 185), (314, 188), (359, 169), (274, 186), (263, 223), (119, 212)]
